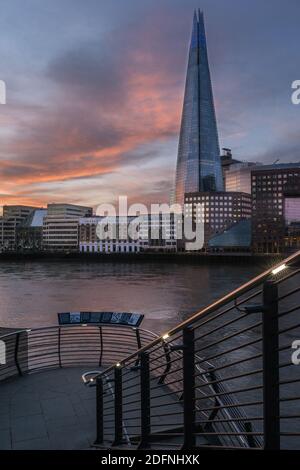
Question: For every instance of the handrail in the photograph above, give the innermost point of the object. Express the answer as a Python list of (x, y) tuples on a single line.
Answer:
[(74, 325), (210, 308), (36, 349), (13, 333), (212, 407)]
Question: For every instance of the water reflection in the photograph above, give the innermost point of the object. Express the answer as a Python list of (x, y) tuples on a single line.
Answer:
[(32, 293)]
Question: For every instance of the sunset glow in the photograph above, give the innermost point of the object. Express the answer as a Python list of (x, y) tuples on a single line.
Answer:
[(94, 111)]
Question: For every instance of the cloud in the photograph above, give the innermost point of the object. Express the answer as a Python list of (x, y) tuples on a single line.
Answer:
[(106, 107), (101, 113)]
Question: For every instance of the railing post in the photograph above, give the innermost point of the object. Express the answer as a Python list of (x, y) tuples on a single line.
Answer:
[(99, 411), (145, 400), (139, 343), (163, 376), (17, 343), (271, 366), (189, 388), (101, 346), (59, 347), (118, 406), (249, 436)]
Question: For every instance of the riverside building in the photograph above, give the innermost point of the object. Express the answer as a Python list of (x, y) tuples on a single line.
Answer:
[(155, 232), (218, 211), (12, 217), (30, 232), (275, 210), (160, 232), (114, 240), (238, 177), (61, 227)]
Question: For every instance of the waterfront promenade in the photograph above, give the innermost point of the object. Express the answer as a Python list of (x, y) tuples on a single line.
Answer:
[(51, 410), (224, 377)]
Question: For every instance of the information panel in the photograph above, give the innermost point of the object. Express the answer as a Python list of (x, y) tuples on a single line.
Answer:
[(120, 318)]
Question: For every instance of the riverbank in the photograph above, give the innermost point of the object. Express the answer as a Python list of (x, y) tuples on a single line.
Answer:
[(197, 258)]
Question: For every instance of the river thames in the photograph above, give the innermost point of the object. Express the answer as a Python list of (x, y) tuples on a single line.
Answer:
[(31, 293)]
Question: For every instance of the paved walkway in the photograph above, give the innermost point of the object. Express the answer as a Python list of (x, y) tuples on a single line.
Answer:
[(48, 410), (54, 410)]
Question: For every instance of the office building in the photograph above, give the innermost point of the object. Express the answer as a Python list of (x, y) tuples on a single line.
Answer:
[(30, 232), (160, 232), (275, 190), (106, 235), (238, 177), (227, 161), (68, 211), (155, 232), (217, 210), (198, 161), (60, 234), (61, 227), (12, 217)]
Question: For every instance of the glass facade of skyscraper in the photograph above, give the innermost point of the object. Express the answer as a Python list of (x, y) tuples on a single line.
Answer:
[(198, 161)]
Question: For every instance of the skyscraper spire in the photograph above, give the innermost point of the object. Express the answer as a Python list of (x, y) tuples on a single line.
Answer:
[(194, 30), (198, 161)]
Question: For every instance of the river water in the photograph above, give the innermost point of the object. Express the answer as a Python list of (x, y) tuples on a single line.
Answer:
[(31, 293)]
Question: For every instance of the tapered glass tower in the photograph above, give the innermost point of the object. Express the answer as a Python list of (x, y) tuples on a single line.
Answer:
[(198, 161)]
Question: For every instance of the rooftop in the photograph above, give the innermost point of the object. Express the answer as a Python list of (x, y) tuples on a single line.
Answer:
[(277, 166)]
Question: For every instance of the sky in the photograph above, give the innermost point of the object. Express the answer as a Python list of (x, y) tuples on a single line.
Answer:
[(95, 91)]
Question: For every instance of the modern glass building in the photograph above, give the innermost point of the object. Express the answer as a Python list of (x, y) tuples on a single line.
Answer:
[(198, 161), (238, 177)]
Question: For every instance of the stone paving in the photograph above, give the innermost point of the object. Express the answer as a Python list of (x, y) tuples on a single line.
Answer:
[(48, 410), (54, 410)]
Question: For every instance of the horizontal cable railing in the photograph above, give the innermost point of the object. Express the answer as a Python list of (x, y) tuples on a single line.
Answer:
[(35, 350), (220, 379)]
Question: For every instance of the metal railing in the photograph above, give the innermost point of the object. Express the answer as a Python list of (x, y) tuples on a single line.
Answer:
[(222, 378), (39, 349)]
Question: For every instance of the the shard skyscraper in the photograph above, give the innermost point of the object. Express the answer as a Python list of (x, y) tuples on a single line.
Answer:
[(198, 161)]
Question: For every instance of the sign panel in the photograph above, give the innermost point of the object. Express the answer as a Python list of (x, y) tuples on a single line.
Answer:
[(120, 318)]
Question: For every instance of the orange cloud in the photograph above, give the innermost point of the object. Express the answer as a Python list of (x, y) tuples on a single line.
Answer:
[(82, 133)]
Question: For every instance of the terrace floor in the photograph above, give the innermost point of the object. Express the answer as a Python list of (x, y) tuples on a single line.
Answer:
[(48, 410), (54, 410)]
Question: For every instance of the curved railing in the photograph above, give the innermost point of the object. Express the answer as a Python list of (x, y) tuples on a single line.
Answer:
[(222, 378), (39, 349)]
